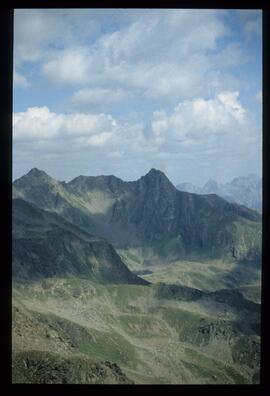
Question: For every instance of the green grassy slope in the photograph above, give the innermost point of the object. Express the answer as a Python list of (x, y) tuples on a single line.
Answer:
[(145, 337)]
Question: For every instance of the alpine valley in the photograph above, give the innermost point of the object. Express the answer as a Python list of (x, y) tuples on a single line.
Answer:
[(133, 282)]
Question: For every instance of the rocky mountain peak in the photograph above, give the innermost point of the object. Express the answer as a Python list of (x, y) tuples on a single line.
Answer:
[(154, 173), (156, 177), (146, 210), (34, 177), (156, 182), (211, 186), (250, 180), (35, 172)]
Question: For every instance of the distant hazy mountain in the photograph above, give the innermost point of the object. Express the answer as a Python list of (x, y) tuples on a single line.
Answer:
[(46, 245), (242, 190), (189, 187), (149, 212)]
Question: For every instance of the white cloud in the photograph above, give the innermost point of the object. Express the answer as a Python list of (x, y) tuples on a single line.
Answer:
[(199, 135), (169, 33), (39, 32), (231, 55), (87, 124), (201, 122), (33, 31), (164, 56), (99, 97), (198, 123), (160, 55), (96, 140), (108, 82), (178, 62), (232, 105), (69, 67), (40, 124), (19, 80), (36, 123), (36, 26)]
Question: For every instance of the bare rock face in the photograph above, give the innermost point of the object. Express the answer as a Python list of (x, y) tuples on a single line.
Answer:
[(148, 211), (37, 367)]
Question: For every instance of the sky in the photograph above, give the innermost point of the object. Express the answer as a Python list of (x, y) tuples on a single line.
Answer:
[(121, 91)]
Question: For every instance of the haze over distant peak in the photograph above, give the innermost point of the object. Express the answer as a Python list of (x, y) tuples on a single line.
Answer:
[(139, 212), (244, 190)]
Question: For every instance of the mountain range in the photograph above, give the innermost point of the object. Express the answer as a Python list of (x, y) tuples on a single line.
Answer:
[(82, 315), (149, 213), (242, 190)]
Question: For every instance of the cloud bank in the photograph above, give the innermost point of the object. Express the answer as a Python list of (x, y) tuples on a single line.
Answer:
[(121, 91)]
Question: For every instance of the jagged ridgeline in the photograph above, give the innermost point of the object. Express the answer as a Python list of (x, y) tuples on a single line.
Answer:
[(242, 190), (149, 213), (80, 315)]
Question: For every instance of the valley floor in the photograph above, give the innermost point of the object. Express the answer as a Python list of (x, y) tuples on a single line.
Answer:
[(77, 331)]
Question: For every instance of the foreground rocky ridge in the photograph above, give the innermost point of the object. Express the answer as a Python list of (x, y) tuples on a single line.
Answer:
[(80, 331), (38, 367)]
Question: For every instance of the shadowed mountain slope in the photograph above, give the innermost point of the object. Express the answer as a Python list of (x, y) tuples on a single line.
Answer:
[(46, 245), (149, 211)]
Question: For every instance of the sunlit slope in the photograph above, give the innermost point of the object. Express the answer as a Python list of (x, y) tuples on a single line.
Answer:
[(86, 313), (208, 275), (149, 214), (153, 334)]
